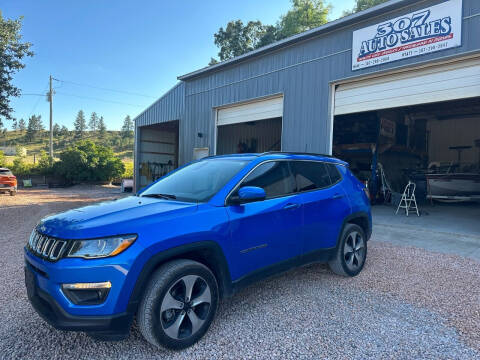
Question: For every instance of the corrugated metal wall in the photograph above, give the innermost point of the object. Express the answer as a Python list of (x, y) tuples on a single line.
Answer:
[(169, 107), (302, 72)]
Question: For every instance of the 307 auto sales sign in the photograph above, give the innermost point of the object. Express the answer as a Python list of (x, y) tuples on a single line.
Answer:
[(425, 31)]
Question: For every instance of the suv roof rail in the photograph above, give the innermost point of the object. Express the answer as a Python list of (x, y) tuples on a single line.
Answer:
[(294, 153)]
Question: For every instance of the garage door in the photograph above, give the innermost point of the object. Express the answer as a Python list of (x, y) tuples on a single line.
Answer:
[(251, 111), (433, 84)]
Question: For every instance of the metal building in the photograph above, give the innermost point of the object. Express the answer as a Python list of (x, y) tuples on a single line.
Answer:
[(399, 81)]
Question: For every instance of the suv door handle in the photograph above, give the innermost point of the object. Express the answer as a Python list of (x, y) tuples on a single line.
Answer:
[(291, 206), (337, 196)]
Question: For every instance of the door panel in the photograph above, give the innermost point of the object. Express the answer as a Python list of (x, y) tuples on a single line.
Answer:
[(266, 232), (324, 205)]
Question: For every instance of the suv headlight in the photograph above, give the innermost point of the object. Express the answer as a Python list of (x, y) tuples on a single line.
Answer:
[(100, 248)]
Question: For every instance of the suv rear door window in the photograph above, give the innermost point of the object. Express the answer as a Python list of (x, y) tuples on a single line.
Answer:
[(274, 177), (310, 175), (333, 172)]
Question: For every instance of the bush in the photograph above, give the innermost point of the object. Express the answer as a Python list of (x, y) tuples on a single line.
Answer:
[(20, 167), (45, 164), (128, 173), (86, 162), (3, 159)]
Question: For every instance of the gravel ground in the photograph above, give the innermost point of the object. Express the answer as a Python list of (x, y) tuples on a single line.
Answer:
[(407, 303)]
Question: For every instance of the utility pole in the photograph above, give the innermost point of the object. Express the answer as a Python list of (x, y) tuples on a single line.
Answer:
[(50, 99)]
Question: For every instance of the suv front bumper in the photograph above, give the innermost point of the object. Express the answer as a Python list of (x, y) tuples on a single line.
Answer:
[(48, 308)]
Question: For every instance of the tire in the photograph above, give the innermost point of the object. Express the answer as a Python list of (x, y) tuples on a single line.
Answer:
[(165, 312), (13, 193), (347, 262)]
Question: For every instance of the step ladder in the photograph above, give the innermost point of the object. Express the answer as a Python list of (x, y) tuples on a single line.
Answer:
[(408, 200)]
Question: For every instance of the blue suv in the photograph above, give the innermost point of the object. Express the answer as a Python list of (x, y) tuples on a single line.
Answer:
[(168, 254)]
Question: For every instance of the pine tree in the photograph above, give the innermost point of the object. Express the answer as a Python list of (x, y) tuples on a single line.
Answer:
[(21, 125), (127, 128), (80, 125), (56, 130), (35, 125), (102, 128), (64, 131), (15, 125), (93, 123)]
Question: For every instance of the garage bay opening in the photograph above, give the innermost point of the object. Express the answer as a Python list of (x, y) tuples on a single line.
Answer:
[(435, 145), (158, 151), (251, 127)]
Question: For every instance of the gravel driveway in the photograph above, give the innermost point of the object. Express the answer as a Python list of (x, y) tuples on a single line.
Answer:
[(407, 303)]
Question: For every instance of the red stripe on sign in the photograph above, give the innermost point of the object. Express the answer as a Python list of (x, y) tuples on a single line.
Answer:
[(407, 47)]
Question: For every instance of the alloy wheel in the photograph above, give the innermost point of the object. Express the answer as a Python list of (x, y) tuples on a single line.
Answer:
[(354, 250), (185, 307)]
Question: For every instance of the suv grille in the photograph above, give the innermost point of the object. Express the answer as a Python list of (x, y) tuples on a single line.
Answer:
[(45, 246)]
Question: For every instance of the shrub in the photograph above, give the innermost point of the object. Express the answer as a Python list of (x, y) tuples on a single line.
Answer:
[(128, 173), (3, 159), (86, 161), (45, 164), (20, 167)]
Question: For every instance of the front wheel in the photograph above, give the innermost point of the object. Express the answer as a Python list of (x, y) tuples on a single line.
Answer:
[(351, 253), (179, 304)]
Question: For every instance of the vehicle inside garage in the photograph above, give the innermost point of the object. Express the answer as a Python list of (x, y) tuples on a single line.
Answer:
[(435, 145), (158, 151)]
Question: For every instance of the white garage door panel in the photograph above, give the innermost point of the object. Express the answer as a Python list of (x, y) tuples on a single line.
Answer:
[(440, 83), (259, 110)]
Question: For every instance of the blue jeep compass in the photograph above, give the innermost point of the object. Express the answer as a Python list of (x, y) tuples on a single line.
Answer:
[(168, 254)]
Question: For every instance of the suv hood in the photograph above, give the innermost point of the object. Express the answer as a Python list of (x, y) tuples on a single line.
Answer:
[(123, 216)]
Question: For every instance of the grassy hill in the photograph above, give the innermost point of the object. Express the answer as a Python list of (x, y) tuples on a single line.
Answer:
[(122, 147)]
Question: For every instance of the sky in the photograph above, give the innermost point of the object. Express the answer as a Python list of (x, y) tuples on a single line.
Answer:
[(137, 48)]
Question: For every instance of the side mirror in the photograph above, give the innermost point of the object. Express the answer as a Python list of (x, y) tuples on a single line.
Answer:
[(248, 194)]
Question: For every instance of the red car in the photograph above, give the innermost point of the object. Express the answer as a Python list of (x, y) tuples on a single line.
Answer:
[(8, 181)]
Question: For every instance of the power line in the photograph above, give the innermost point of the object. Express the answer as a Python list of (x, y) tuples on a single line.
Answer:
[(107, 89), (98, 99)]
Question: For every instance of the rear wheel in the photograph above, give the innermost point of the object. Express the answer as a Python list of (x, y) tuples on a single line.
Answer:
[(179, 304), (13, 193), (351, 252)]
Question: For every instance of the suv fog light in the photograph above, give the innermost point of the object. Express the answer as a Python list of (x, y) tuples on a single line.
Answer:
[(87, 293)]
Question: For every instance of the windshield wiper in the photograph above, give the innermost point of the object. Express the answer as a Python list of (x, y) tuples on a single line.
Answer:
[(161, 196)]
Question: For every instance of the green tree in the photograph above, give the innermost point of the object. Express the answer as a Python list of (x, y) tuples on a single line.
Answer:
[(15, 125), (127, 128), (93, 123), (21, 125), (56, 130), (80, 125), (304, 15), (35, 125), (237, 39), (12, 53), (86, 161), (45, 163), (3, 159), (102, 128), (361, 5), (64, 131)]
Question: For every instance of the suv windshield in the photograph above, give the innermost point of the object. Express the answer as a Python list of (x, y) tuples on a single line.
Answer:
[(197, 182)]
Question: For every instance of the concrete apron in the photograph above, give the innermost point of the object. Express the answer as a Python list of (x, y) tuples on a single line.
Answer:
[(445, 228)]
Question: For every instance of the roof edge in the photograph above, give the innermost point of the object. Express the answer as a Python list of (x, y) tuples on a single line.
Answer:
[(330, 26)]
